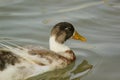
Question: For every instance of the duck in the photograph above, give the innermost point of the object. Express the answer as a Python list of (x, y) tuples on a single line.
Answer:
[(20, 63)]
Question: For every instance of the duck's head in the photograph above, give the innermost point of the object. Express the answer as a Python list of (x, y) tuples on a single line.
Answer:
[(62, 32)]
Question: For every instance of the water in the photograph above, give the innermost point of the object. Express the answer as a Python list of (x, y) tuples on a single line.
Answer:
[(29, 22)]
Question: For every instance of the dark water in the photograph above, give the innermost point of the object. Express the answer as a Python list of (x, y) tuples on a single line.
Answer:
[(30, 21)]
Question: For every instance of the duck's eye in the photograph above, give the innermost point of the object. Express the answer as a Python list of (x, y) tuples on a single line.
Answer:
[(67, 28)]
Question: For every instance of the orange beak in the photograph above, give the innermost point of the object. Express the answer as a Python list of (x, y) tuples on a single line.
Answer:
[(77, 36)]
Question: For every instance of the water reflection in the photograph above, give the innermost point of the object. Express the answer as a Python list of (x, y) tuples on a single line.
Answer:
[(66, 73)]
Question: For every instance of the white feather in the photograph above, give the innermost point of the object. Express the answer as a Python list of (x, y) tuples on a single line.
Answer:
[(57, 47)]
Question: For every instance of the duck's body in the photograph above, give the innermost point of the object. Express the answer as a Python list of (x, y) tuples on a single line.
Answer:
[(22, 62), (38, 61)]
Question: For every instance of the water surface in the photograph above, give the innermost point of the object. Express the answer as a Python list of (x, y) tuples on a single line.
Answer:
[(30, 21)]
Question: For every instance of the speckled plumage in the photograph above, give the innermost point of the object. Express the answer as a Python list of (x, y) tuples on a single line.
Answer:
[(7, 58)]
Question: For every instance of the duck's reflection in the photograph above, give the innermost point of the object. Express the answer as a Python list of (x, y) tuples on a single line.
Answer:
[(68, 73)]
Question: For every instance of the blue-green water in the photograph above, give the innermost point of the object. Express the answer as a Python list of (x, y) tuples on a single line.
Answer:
[(30, 21)]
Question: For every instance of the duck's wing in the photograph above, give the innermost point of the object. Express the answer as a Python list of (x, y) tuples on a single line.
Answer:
[(37, 55), (45, 57)]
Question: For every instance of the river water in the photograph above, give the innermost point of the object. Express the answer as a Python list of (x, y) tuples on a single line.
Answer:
[(26, 22)]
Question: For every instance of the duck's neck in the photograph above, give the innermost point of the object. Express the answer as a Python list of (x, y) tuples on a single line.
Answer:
[(61, 49), (56, 46)]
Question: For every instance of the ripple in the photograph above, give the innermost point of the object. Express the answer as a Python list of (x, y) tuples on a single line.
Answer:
[(9, 2), (79, 7)]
